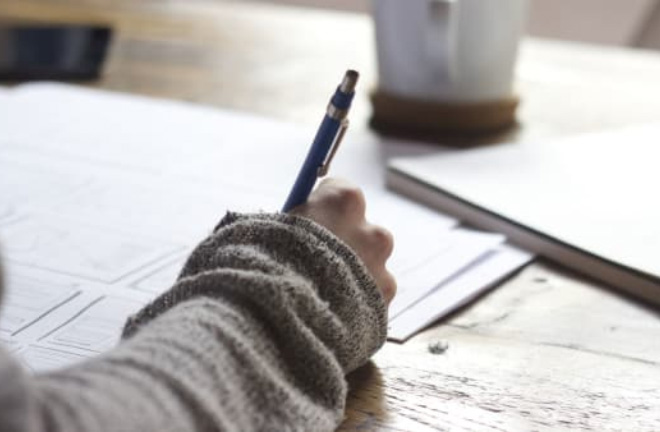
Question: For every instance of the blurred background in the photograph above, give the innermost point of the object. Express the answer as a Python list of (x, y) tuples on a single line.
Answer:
[(191, 49), (634, 23)]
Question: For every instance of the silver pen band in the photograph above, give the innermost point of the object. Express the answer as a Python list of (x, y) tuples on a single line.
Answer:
[(335, 113)]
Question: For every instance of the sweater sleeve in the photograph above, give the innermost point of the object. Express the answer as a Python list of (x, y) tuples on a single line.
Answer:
[(267, 316)]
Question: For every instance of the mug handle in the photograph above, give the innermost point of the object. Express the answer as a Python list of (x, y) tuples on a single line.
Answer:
[(441, 38)]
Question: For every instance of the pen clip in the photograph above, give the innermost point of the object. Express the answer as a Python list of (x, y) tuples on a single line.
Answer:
[(325, 167)]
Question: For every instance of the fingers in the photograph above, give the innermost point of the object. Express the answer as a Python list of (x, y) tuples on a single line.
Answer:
[(340, 206), (379, 242), (341, 198), (335, 204), (375, 246), (387, 284)]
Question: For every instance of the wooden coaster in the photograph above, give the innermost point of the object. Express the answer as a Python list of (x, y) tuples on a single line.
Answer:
[(400, 116)]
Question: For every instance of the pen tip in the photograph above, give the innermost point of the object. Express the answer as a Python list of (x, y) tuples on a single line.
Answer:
[(349, 82)]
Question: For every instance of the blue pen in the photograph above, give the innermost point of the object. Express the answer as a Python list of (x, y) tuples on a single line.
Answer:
[(327, 140)]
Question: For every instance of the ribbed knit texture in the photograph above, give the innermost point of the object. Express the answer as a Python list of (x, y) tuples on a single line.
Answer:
[(268, 315)]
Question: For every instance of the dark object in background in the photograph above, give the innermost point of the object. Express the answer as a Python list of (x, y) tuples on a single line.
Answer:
[(55, 52)]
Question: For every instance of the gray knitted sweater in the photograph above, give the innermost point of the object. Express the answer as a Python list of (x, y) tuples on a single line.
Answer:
[(268, 315)]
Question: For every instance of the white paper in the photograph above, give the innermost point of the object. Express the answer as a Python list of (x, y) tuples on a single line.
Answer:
[(85, 327), (42, 359), (161, 278), (27, 185), (10, 344), (93, 252), (446, 255), (458, 291), (96, 328), (43, 309), (22, 308)]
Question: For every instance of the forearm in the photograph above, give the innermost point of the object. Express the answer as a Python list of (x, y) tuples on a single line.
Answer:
[(189, 371), (267, 317)]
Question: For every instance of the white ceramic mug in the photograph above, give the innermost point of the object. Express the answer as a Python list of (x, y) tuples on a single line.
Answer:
[(454, 51)]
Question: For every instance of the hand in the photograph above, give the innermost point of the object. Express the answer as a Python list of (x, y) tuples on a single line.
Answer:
[(340, 207)]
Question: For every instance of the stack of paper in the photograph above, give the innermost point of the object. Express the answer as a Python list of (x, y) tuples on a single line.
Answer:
[(104, 195), (439, 266)]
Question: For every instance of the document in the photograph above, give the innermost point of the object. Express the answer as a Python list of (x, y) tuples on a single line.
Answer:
[(25, 306), (458, 290), (94, 252), (447, 254), (51, 320), (40, 359), (94, 328), (105, 195), (163, 277)]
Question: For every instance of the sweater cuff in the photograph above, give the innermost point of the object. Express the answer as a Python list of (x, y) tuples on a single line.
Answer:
[(300, 246)]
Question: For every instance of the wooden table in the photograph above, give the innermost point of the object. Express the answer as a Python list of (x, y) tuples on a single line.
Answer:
[(547, 350)]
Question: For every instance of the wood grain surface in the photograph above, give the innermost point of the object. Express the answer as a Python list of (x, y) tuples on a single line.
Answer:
[(547, 350)]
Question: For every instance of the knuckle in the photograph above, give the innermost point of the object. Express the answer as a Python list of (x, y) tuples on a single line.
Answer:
[(382, 240), (389, 287), (349, 199)]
